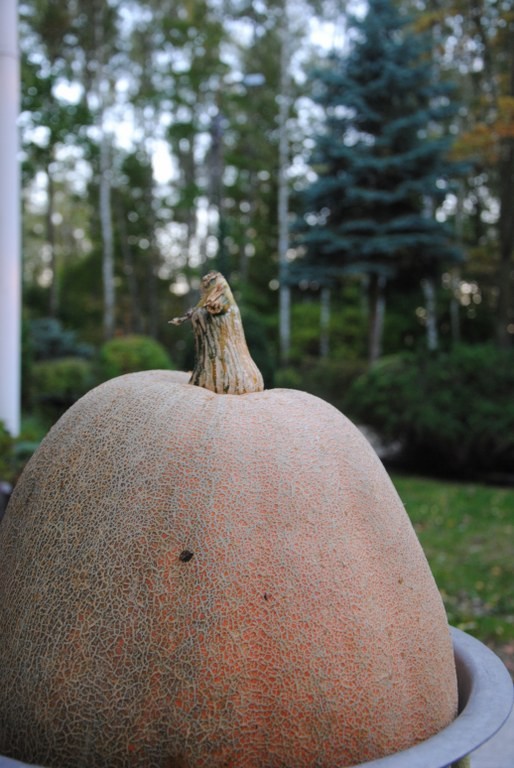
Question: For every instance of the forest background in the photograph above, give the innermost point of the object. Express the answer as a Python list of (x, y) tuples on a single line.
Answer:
[(348, 166)]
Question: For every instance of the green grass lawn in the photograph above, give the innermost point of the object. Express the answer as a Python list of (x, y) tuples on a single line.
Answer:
[(467, 532)]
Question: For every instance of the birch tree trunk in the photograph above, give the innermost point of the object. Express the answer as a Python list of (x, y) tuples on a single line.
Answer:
[(134, 321), (454, 307), (107, 236), (377, 285), (506, 228), (455, 271), (506, 222), (429, 292), (101, 97), (50, 238), (324, 339)]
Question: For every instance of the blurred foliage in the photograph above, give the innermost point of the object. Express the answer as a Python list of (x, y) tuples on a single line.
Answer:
[(6, 454), (223, 135), (57, 384), (378, 161), (127, 354), (49, 340), (329, 379), (15, 452), (452, 411), (57, 367), (259, 346), (81, 297), (345, 331)]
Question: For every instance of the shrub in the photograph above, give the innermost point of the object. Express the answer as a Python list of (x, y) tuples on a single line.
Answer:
[(57, 384), (45, 339), (50, 341), (453, 412), (288, 378), (260, 350), (347, 328), (6, 454), (14, 454), (128, 354), (329, 379)]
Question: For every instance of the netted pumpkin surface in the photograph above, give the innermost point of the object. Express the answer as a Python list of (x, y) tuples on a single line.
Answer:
[(195, 580)]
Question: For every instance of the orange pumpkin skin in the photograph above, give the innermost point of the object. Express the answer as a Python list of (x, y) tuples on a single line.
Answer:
[(205, 581)]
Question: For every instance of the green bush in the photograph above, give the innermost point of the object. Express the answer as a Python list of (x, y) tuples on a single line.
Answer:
[(347, 327), (50, 341), (6, 454), (453, 412), (128, 354), (45, 339), (258, 345), (288, 378), (57, 384), (15, 452), (329, 379)]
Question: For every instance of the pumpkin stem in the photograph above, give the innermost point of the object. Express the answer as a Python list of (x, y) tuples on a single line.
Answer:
[(222, 361)]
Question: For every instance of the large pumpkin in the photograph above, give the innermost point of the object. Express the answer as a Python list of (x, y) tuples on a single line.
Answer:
[(202, 580)]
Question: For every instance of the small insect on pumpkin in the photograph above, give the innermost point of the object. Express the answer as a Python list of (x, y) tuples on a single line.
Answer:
[(207, 574)]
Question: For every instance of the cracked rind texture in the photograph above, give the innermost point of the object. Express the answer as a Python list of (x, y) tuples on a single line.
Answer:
[(192, 580)]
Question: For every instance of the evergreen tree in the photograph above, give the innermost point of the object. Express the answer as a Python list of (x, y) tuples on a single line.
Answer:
[(381, 160)]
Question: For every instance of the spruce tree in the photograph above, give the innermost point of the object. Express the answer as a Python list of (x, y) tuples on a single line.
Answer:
[(381, 158)]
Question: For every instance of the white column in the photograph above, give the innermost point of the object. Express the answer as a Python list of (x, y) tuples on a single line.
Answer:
[(10, 228), (283, 188)]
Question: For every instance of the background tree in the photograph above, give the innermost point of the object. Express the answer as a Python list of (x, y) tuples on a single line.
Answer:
[(381, 160), (143, 119), (169, 77), (49, 129), (480, 36)]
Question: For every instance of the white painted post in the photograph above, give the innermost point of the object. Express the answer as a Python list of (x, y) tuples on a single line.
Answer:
[(283, 189), (10, 228)]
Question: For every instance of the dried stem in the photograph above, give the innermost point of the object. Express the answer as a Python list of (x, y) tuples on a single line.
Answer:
[(222, 361)]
